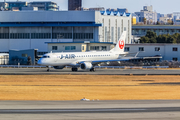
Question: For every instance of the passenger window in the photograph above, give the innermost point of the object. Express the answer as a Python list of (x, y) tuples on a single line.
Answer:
[(46, 56)]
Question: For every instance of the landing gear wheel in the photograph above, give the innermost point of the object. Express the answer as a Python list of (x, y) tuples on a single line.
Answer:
[(74, 69), (92, 69), (48, 70)]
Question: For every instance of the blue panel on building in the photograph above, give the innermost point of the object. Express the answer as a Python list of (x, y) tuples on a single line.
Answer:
[(48, 24)]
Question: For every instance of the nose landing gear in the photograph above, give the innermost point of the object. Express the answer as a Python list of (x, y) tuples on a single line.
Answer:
[(92, 69), (48, 70), (74, 69)]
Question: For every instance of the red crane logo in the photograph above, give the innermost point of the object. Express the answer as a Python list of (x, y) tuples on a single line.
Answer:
[(121, 44)]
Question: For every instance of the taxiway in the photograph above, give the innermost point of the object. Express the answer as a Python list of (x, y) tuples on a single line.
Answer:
[(116, 110), (42, 71)]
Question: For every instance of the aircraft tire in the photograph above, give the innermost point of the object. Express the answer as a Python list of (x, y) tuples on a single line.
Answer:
[(92, 69), (74, 69)]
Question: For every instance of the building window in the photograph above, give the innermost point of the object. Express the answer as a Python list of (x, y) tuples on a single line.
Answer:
[(157, 48), (94, 47), (41, 53), (83, 35), (175, 49), (106, 34), (40, 35), (141, 48), (70, 47), (112, 34), (118, 32), (82, 47), (73, 47), (54, 47), (62, 35), (24, 55), (67, 47), (4, 35), (175, 59), (103, 48), (126, 49), (19, 35)]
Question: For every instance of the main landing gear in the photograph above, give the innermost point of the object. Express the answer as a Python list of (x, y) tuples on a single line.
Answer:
[(74, 69), (48, 70), (92, 69)]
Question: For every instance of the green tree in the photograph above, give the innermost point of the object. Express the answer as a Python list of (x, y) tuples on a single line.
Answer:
[(178, 38), (162, 39), (151, 34), (151, 37), (171, 39), (144, 39)]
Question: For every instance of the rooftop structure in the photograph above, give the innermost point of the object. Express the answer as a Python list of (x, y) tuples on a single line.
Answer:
[(17, 5), (147, 8), (148, 14), (44, 5), (122, 10), (20, 5), (74, 4), (97, 9)]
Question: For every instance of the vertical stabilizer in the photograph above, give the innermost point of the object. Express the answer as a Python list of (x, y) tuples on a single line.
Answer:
[(119, 48)]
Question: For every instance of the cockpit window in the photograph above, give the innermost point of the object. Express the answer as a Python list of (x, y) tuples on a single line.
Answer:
[(46, 57)]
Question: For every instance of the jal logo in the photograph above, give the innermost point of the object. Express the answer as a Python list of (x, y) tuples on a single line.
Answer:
[(121, 44)]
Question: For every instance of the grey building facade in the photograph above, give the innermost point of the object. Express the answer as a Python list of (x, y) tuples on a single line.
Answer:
[(141, 30), (170, 52), (31, 29), (47, 5), (148, 13)]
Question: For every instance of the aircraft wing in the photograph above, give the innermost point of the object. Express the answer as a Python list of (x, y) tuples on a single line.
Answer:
[(126, 59), (121, 59)]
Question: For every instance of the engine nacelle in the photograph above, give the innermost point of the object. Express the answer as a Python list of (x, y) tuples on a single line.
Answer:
[(86, 66), (59, 67)]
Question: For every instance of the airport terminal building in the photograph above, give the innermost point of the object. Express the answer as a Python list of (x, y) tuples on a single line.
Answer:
[(33, 29)]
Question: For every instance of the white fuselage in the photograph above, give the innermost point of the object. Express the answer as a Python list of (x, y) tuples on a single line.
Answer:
[(72, 58)]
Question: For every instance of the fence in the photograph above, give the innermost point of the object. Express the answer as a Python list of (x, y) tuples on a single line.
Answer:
[(99, 67)]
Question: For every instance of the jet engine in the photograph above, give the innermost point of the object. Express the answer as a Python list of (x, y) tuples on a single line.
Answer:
[(59, 67), (86, 66)]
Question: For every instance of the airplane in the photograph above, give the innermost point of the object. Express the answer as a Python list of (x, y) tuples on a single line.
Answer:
[(85, 60)]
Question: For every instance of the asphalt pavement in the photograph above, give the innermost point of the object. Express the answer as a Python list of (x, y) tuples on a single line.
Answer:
[(42, 71), (98, 110)]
